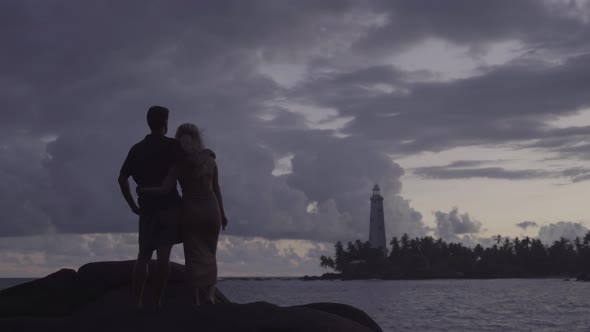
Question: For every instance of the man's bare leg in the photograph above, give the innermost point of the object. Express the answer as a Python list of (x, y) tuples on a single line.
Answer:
[(140, 273), (162, 273)]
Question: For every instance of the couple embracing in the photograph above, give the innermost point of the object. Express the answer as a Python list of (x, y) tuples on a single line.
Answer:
[(156, 164)]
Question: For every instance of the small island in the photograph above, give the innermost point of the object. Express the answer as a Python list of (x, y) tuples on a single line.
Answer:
[(430, 258)]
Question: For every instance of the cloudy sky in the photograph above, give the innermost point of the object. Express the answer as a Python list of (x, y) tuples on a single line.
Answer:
[(472, 116)]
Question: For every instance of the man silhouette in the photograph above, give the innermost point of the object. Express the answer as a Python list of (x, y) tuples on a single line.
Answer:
[(148, 162)]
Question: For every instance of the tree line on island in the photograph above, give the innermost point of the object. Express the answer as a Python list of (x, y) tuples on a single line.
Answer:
[(427, 257)]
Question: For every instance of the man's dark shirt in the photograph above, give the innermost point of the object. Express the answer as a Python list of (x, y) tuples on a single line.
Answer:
[(148, 162)]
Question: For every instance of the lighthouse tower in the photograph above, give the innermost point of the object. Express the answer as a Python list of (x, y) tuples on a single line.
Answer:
[(377, 230)]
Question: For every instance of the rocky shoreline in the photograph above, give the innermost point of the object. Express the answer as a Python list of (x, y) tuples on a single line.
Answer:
[(97, 297)]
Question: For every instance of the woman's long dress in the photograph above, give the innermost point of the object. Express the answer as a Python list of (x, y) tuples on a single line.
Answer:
[(200, 219)]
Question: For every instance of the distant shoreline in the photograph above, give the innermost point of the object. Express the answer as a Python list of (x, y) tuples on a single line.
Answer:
[(340, 277), (11, 282)]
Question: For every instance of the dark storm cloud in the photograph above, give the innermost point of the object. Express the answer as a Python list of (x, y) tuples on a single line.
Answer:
[(83, 82), (77, 78), (334, 173), (526, 224), (469, 170), (507, 103), (542, 24), (446, 173), (336, 169), (577, 174), (77, 59), (23, 193), (574, 146), (467, 163)]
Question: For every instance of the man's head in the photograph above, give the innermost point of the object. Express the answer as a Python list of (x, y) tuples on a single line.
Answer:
[(157, 118)]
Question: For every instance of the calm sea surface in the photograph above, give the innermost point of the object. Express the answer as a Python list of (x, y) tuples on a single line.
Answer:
[(433, 305), (439, 305)]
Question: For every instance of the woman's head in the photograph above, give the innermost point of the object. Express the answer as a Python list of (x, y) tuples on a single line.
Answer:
[(190, 138)]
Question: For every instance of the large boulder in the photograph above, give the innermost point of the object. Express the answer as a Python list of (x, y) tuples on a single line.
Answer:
[(98, 298), (66, 291), (54, 295), (344, 310), (95, 279), (226, 317)]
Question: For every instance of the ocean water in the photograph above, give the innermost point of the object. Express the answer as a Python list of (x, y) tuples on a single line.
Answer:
[(432, 305), (438, 305)]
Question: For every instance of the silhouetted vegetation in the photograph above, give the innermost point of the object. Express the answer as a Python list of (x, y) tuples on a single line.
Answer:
[(427, 257)]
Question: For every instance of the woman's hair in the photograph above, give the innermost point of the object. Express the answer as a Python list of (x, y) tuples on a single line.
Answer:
[(190, 139)]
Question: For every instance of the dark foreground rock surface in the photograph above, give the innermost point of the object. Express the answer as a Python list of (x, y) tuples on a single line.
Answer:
[(97, 298)]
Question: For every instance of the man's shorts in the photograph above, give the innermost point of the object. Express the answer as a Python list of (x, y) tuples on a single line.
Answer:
[(159, 228)]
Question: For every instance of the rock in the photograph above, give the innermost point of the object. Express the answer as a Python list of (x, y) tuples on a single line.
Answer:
[(53, 295), (258, 316), (66, 291), (347, 311), (97, 278), (98, 298)]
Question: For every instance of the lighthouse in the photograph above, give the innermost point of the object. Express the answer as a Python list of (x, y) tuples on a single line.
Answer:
[(377, 221)]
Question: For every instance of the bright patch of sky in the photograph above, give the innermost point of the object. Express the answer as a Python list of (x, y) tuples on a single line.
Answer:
[(49, 138), (286, 75), (498, 204), (448, 61), (382, 88), (580, 119), (312, 207), (316, 117), (300, 247), (283, 165)]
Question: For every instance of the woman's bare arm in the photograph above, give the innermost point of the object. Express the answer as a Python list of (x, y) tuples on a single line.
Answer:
[(167, 186), (217, 192)]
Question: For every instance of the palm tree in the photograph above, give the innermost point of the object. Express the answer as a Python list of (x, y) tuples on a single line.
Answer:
[(327, 262), (498, 239)]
